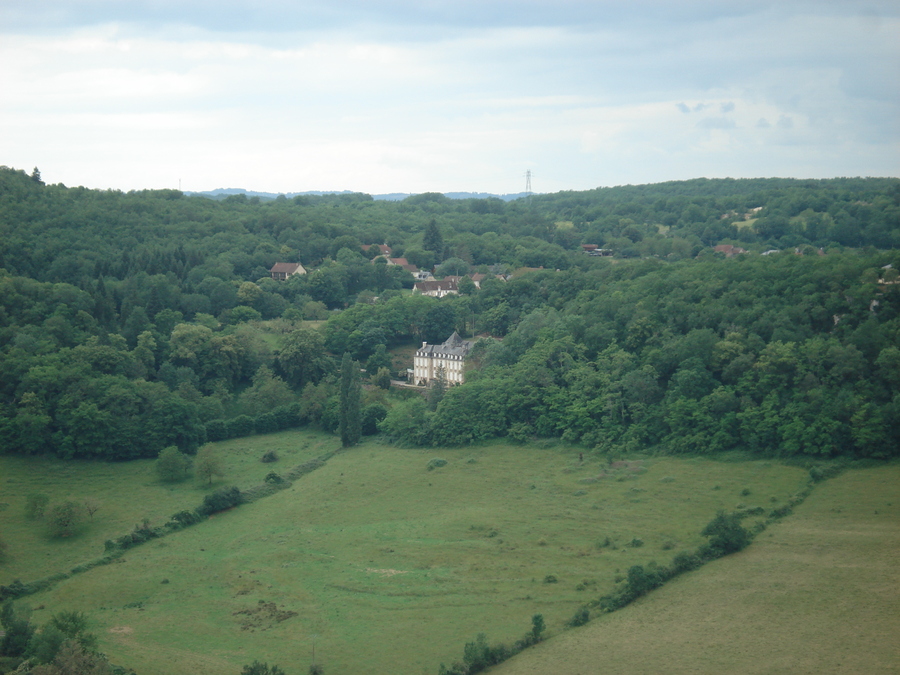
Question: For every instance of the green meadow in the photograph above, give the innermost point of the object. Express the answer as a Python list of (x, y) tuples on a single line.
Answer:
[(380, 563), (817, 592)]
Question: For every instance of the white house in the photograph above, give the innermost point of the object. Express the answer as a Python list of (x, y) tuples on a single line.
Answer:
[(437, 289), (451, 356)]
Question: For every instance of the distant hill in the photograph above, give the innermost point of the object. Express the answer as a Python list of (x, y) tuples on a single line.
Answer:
[(221, 193)]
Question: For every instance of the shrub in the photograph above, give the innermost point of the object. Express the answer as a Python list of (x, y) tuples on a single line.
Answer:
[(273, 478), (436, 463), (819, 473), (781, 511), (372, 414), (726, 535), (685, 562), (550, 579), (172, 465), (220, 500), (257, 668), (266, 423), (269, 457), (287, 416), (581, 617), (186, 518), (63, 518), (636, 543), (241, 426)]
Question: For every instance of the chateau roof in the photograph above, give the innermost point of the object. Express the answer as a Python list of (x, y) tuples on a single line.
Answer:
[(452, 346)]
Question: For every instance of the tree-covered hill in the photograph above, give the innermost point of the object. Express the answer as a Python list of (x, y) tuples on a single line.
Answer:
[(132, 321)]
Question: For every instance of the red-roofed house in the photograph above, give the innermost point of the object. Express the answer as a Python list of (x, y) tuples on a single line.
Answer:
[(383, 249)]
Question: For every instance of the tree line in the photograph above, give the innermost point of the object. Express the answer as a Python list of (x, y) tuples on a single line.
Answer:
[(131, 322)]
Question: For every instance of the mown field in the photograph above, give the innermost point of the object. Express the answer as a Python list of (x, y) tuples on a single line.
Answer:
[(818, 592), (382, 564)]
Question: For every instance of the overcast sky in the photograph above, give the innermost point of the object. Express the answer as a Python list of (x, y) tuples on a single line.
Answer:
[(419, 95)]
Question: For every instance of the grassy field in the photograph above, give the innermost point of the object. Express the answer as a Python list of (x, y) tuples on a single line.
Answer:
[(128, 492), (385, 565), (818, 592)]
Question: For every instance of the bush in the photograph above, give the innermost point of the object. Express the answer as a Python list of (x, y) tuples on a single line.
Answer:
[(172, 465), (685, 562), (273, 478), (726, 535), (287, 416), (186, 518), (269, 457), (436, 463), (64, 518), (581, 617), (220, 500), (266, 423), (257, 668), (372, 414), (240, 426)]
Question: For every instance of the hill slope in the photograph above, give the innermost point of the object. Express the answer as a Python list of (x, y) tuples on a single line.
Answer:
[(816, 593)]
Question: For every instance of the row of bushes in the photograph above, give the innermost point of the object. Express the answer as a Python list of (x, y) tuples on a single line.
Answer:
[(280, 418), (290, 417), (726, 535), (480, 655)]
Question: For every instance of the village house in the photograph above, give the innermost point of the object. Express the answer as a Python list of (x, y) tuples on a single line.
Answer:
[(284, 271), (383, 249), (449, 356), (729, 250), (437, 289)]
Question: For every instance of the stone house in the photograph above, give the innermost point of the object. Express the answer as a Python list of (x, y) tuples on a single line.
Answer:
[(450, 355)]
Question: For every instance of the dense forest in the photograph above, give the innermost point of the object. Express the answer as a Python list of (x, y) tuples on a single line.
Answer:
[(135, 321)]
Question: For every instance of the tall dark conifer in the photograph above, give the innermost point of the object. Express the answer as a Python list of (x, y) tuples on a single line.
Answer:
[(433, 240), (351, 393)]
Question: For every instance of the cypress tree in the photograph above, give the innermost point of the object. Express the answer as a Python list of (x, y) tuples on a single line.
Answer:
[(351, 393), (432, 240)]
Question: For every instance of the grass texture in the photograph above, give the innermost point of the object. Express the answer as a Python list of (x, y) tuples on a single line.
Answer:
[(818, 592), (382, 564)]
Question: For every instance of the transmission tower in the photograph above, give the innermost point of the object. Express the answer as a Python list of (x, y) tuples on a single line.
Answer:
[(528, 183)]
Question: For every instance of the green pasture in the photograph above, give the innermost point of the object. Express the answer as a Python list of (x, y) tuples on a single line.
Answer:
[(817, 592), (128, 492), (385, 565)]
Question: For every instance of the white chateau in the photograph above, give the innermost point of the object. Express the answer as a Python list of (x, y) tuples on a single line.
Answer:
[(451, 355)]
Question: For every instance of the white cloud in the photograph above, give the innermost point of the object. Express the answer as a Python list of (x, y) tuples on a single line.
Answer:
[(402, 96)]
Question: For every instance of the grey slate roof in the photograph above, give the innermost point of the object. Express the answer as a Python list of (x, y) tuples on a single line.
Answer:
[(452, 346)]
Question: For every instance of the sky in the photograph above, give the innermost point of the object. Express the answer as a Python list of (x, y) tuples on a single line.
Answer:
[(413, 96)]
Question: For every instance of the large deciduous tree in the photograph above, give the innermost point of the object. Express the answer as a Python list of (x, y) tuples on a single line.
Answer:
[(302, 358)]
